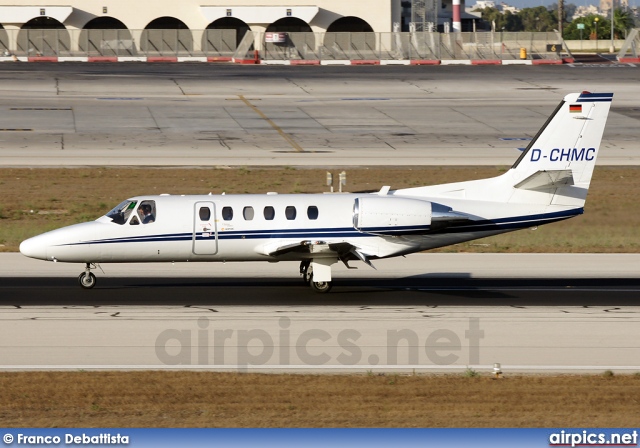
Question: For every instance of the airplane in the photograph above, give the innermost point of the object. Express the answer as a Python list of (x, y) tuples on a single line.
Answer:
[(547, 183)]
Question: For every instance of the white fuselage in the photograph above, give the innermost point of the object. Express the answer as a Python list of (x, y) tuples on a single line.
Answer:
[(179, 234)]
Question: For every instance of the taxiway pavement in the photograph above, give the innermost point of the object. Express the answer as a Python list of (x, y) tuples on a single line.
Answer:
[(201, 115), (428, 312)]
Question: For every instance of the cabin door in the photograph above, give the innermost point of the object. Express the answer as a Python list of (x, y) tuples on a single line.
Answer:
[(205, 231)]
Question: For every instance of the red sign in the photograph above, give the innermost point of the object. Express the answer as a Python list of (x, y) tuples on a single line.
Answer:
[(276, 38)]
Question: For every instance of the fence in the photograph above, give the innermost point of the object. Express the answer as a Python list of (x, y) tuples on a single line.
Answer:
[(120, 43), (424, 46), (629, 51), (404, 46)]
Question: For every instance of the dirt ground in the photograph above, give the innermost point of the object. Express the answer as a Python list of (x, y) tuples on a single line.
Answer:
[(33, 201), (202, 399)]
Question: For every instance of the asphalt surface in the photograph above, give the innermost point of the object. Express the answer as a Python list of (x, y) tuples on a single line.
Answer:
[(73, 114), (437, 73), (431, 279), (410, 291), (277, 324)]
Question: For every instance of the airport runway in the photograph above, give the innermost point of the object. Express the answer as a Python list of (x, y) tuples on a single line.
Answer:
[(74, 114), (429, 312)]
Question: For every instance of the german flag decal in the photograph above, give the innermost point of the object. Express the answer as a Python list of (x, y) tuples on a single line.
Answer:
[(575, 108)]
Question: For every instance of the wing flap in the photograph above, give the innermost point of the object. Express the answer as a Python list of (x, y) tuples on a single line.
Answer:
[(342, 250)]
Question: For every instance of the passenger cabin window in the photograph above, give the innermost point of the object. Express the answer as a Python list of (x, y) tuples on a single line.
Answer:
[(121, 212), (290, 213), (227, 213), (269, 213), (146, 212), (204, 213), (247, 213), (312, 212)]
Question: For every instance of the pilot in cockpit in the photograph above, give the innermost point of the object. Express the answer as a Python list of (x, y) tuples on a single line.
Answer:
[(144, 211)]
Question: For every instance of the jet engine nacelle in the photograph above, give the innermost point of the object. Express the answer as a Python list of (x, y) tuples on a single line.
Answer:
[(391, 216)]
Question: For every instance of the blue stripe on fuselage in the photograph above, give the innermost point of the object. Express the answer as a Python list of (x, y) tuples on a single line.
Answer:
[(510, 223)]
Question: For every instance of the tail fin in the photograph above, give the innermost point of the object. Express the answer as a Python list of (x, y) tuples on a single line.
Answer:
[(569, 141), (556, 167)]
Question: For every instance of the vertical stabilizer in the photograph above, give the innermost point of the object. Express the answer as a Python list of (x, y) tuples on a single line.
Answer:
[(570, 140), (554, 170)]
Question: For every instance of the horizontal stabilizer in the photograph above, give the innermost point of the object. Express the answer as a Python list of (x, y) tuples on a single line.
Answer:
[(543, 180)]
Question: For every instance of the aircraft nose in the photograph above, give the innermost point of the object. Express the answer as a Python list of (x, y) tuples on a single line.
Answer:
[(34, 248)]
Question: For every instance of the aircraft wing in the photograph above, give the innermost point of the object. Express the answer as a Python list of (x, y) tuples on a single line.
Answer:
[(342, 250)]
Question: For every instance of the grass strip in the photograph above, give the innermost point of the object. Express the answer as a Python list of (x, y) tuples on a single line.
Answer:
[(205, 399)]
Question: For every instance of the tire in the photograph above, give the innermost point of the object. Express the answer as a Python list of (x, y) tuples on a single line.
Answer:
[(87, 281), (320, 287)]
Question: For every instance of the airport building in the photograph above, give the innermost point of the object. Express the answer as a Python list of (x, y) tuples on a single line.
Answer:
[(256, 15), (238, 30)]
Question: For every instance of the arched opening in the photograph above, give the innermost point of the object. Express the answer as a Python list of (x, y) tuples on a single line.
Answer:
[(105, 23), (166, 23), (350, 38), (43, 36), (106, 36), (4, 42), (166, 36), (222, 36), (43, 23), (289, 25), (299, 41), (350, 25)]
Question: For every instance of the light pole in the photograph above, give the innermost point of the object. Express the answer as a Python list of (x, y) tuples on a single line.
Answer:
[(596, 24), (612, 48)]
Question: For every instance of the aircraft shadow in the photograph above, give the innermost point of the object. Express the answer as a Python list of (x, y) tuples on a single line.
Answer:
[(422, 290)]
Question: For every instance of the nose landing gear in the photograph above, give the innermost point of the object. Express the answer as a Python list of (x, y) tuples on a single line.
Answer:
[(86, 279)]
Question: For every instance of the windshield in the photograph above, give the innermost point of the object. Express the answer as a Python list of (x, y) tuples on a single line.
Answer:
[(120, 213)]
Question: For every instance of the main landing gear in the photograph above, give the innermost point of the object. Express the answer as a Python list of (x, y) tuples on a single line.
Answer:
[(306, 270), (87, 280)]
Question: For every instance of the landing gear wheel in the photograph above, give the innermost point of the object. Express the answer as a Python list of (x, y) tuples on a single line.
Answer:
[(306, 271), (320, 287), (87, 280)]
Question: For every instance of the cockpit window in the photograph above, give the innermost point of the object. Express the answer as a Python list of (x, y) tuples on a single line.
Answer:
[(120, 213), (147, 212)]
